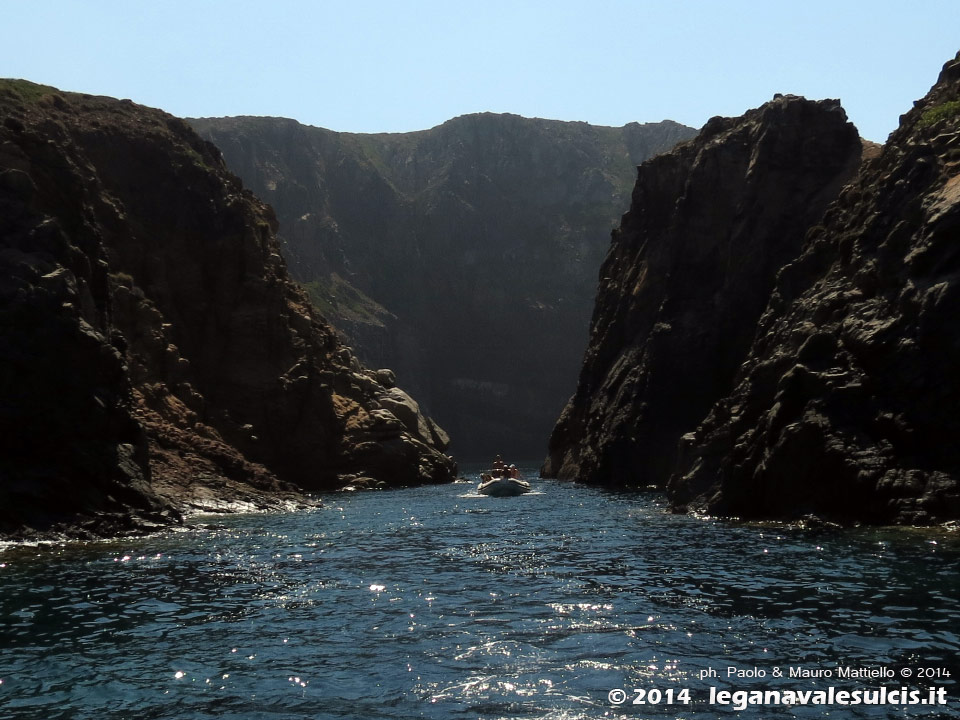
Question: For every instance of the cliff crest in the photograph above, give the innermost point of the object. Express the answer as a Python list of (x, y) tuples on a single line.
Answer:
[(846, 404), (463, 256), (687, 276), (154, 354)]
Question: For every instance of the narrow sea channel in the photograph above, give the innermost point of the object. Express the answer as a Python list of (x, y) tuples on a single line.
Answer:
[(438, 603)]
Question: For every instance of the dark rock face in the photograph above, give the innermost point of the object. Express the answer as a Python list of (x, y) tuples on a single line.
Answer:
[(847, 404), (688, 275), (154, 353), (464, 257)]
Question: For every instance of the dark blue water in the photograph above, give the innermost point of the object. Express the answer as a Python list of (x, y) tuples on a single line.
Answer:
[(439, 604)]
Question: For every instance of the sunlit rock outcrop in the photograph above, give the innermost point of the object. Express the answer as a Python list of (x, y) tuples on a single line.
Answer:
[(154, 354)]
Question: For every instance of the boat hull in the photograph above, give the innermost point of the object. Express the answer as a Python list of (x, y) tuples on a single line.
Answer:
[(503, 487)]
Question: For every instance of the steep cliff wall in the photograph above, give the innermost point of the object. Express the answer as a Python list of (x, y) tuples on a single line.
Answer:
[(153, 352), (464, 257), (847, 404), (687, 276)]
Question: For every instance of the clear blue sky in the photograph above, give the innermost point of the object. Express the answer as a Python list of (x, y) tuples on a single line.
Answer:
[(392, 66)]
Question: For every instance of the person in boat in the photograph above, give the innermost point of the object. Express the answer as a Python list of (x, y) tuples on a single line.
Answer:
[(514, 472), (498, 467)]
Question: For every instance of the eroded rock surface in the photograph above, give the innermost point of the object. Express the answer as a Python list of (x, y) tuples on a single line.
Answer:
[(846, 407), (464, 256), (154, 354), (687, 276)]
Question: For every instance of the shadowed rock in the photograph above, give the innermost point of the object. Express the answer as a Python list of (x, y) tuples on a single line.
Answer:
[(463, 256), (846, 407), (688, 273), (154, 354)]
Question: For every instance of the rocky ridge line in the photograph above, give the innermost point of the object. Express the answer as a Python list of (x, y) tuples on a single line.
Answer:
[(154, 354), (463, 256), (687, 276), (846, 405)]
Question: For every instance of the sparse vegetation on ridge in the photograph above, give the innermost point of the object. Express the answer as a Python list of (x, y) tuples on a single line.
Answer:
[(940, 112), (25, 90)]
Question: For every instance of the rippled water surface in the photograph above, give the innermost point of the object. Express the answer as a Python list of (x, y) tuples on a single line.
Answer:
[(439, 603)]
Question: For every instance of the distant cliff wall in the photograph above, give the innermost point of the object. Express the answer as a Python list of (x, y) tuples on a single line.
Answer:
[(688, 275), (464, 257), (154, 354)]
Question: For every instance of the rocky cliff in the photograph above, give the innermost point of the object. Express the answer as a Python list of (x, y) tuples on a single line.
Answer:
[(847, 404), (154, 354), (687, 276), (464, 257)]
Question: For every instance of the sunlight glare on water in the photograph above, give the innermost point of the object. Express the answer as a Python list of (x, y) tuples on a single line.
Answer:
[(437, 602)]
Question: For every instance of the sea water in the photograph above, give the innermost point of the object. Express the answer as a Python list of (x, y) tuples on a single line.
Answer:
[(435, 602)]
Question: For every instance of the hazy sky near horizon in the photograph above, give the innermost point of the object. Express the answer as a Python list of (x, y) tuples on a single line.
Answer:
[(381, 66)]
